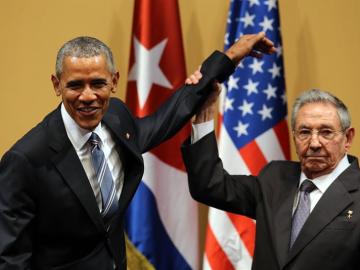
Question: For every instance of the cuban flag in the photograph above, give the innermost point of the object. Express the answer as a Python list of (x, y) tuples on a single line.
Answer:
[(162, 220), (252, 131)]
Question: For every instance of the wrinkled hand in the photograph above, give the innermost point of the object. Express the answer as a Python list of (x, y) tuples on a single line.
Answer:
[(208, 109), (252, 44)]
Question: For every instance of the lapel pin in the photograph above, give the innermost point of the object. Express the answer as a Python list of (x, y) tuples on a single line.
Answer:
[(349, 214), (127, 135)]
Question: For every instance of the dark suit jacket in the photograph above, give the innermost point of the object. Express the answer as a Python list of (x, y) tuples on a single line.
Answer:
[(329, 239), (49, 218)]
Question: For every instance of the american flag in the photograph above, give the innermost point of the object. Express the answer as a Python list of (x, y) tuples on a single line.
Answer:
[(253, 128)]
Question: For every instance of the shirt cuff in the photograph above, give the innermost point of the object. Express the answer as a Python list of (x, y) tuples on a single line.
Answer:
[(200, 130)]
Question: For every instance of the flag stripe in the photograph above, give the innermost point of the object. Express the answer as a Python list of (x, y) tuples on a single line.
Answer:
[(282, 133), (253, 157), (271, 150), (246, 229), (169, 195), (137, 214), (213, 248), (228, 239), (232, 161)]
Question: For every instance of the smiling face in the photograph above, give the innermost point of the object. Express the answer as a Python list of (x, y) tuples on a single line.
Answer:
[(318, 156), (85, 86)]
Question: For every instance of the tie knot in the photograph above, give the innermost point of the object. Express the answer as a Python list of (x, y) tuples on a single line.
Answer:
[(94, 139), (307, 186)]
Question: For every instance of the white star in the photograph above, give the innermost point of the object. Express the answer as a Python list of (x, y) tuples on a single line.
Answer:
[(256, 66), (146, 70), (254, 2), (232, 83), (229, 104), (267, 24), (270, 91), (265, 112), (226, 39), (278, 50), (241, 129), (251, 87), (229, 17), (246, 108), (275, 71), (271, 4), (248, 20), (283, 97)]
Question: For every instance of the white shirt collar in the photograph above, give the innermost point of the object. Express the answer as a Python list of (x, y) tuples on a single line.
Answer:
[(77, 135), (324, 181)]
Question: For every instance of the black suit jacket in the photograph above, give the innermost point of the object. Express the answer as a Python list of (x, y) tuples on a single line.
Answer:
[(330, 239), (49, 218)]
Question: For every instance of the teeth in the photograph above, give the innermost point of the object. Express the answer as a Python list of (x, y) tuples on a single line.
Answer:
[(86, 109)]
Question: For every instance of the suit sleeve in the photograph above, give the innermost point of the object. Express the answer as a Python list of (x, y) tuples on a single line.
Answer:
[(17, 211), (210, 184), (182, 105)]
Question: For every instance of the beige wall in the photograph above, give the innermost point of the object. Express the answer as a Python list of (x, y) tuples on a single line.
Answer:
[(321, 42)]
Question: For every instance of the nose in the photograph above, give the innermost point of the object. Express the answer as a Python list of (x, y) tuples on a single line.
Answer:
[(314, 141), (87, 95)]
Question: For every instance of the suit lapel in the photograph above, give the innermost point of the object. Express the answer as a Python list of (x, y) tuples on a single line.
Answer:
[(283, 213), (331, 204), (68, 164)]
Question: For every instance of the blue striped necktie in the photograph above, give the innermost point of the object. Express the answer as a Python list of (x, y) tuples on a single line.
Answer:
[(302, 211), (104, 178)]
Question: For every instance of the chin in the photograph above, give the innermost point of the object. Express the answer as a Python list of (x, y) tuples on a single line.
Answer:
[(89, 125)]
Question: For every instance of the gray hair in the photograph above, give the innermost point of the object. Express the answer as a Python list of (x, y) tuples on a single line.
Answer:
[(84, 47), (316, 96)]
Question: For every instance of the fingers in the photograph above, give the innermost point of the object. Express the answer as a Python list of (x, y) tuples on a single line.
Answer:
[(194, 78), (250, 44)]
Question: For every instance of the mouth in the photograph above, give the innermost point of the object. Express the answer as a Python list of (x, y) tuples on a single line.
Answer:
[(88, 111), (315, 157)]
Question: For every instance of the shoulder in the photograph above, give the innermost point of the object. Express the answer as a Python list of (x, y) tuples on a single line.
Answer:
[(117, 106), (279, 169), (35, 143)]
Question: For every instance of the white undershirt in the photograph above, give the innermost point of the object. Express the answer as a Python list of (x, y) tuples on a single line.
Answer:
[(79, 137), (322, 183)]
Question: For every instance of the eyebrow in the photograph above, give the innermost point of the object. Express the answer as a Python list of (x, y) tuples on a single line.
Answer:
[(322, 126), (99, 81)]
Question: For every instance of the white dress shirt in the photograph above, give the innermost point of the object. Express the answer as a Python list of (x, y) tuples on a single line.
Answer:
[(322, 183), (79, 138)]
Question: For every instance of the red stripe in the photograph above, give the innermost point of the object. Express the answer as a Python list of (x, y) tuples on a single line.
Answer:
[(253, 157), (282, 133), (217, 259), (246, 229), (219, 124)]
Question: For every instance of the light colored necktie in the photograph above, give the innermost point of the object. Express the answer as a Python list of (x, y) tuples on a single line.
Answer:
[(104, 177), (302, 211)]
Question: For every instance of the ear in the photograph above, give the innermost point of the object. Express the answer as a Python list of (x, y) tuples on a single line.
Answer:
[(115, 81), (349, 135), (56, 84)]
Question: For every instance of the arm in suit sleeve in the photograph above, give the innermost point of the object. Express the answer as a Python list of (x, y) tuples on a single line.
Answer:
[(210, 184), (182, 105), (17, 211)]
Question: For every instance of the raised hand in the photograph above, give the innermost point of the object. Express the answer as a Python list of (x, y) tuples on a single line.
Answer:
[(253, 45)]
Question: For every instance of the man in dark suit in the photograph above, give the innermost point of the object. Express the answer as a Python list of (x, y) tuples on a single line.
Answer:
[(307, 213), (65, 185)]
